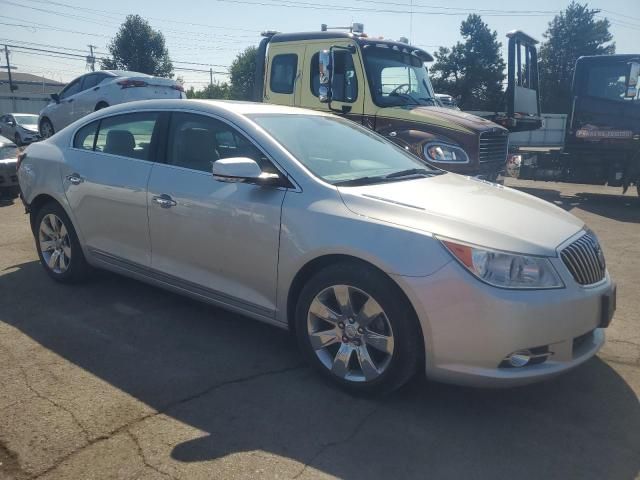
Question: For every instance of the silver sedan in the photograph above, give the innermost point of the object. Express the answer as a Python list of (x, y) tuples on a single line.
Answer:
[(380, 264)]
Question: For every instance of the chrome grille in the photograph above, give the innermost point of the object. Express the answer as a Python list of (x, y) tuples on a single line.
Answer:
[(584, 259), (494, 146)]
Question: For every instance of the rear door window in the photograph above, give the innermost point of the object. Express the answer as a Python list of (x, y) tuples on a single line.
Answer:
[(85, 137), (127, 135)]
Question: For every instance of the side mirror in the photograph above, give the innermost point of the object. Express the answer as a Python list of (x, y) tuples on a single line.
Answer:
[(326, 76), (55, 97), (632, 84), (241, 169)]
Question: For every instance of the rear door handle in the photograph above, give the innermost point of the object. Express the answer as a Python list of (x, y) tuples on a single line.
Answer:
[(165, 201), (75, 179)]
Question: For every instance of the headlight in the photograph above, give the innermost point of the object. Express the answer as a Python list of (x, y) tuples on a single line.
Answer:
[(505, 270), (443, 152)]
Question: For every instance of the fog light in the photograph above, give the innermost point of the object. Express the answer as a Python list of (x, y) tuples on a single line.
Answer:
[(519, 358)]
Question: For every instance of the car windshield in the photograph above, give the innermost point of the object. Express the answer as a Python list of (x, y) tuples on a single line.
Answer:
[(397, 78), (341, 152), (8, 150), (26, 119)]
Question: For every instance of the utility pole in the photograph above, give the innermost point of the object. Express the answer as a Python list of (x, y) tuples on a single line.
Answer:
[(211, 77), (92, 60), (11, 86)]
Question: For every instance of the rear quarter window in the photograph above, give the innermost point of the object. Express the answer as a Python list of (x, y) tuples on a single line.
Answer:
[(85, 137)]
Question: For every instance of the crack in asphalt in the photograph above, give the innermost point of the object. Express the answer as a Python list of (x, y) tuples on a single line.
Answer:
[(38, 394), (10, 464), (328, 445), (144, 458), (126, 427)]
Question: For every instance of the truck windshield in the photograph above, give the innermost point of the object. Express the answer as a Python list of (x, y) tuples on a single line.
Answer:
[(341, 152), (397, 78)]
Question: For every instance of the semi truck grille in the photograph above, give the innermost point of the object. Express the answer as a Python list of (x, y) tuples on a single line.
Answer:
[(494, 146), (585, 260)]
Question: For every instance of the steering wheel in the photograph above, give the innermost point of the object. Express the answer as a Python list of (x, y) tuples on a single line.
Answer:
[(396, 91)]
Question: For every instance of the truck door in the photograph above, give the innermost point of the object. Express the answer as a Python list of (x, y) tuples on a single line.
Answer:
[(284, 74), (349, 81)]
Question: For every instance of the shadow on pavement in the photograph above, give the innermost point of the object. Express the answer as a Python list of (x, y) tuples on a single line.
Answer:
[(241, 382), (617, 207)]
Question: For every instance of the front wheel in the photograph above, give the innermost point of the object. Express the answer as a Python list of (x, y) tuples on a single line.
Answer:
[(357, 328), (46, 128), (58, 246)]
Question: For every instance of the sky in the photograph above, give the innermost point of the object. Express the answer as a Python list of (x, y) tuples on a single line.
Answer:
[(203, 34)]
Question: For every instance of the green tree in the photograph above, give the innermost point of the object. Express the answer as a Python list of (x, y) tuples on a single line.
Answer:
[(242, 73), (139, 48), (472, 70), (571, 34), (217, 90)]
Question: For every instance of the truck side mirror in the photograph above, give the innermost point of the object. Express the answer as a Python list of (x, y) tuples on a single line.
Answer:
[(326, 76), (632, 83)]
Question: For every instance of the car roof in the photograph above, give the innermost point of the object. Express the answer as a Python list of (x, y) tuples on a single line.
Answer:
[(232, 106)]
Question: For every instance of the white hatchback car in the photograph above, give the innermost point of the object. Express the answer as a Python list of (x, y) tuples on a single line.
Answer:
[(380, 263), (97, 90)]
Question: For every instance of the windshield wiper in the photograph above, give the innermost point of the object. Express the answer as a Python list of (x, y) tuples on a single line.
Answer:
[(406, 96), (412, 172), (409, 173)]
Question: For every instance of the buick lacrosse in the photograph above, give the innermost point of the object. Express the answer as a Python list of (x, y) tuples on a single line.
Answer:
[(381, 264)]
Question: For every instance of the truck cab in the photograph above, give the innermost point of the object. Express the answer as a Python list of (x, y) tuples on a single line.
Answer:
[(383, 85)]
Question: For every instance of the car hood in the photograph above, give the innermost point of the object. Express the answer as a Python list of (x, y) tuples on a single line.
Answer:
[(469, 210), (445, 117), (30, 128)]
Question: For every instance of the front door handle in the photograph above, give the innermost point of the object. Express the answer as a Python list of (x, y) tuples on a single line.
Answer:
[(75, 179), (165, 201)]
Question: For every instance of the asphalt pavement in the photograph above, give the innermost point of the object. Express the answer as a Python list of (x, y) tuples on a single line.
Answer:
[(115, 379)]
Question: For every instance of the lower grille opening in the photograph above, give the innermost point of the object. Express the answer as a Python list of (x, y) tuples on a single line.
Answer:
[(582, 342)]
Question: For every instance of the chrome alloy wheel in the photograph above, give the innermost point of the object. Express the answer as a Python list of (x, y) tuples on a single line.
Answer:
[(55, 245), (350, 333)]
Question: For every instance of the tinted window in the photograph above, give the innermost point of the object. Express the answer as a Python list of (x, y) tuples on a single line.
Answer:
[(283, 73), (127, 135), (196, 141), (71, 89), (345, 82), (85, 137), (608, 81)]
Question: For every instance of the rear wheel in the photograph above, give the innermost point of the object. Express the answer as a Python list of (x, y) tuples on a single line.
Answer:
[(356, 327), (57, 244), (46, 128)]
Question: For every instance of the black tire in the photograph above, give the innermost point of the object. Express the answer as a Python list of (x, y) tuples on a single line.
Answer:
[(46, 128), (17, 139), (100, 106), (407, 336), (77, 268)]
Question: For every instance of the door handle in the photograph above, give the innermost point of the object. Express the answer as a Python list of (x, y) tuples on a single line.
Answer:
[(165, 201), (75, 179)]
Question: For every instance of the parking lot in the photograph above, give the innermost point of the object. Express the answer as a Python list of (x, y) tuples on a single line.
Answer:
[(117, 379)]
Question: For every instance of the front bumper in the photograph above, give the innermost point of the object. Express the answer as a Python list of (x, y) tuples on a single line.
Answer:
[(470, 327)]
